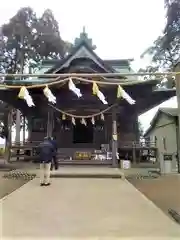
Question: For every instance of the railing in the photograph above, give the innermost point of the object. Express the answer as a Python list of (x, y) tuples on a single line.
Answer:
[(34, 143), (130, 144), (136, 144)]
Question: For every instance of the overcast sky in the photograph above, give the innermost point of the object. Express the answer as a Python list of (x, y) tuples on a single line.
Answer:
[(119, 28)]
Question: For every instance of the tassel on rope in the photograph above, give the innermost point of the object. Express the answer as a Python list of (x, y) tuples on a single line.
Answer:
[(73, 121), (102, 116), (49, 95), (63, 117), (74, 89), (97, 92), (123, 94), (24, 94), (95, 88), (92, 120), (83, 121)]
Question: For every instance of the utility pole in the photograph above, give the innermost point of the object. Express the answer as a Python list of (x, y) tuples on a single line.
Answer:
[(177, 69)]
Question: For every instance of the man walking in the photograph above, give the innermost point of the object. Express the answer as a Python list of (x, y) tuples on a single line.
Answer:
[(54, 159), (46, 150)]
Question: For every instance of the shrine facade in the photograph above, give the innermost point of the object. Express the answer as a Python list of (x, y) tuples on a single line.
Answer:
[(121, 119)]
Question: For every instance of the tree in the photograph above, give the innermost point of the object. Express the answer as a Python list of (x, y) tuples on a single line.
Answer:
[(17, 36), (166, 48), (26, 40), (48, 43), (29, 39)]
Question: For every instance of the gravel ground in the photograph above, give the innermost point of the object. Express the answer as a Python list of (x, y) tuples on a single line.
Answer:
[(7, 186), (163, 191)]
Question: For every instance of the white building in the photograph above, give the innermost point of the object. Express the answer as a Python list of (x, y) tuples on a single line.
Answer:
[(164, 130)]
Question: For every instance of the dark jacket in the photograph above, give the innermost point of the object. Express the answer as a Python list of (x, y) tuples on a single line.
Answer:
[(46, 151), (54, 143)]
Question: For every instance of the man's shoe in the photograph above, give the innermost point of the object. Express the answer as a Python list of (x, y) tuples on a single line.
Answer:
[(42, 184), (47, 184)]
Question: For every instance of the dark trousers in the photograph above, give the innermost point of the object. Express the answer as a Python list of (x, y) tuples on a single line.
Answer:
[(54, 163)]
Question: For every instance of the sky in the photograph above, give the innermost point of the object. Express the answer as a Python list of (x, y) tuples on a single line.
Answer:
[(119, 28)]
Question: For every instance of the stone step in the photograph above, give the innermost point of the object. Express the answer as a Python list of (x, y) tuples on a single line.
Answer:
[(76, 175), (84, 162), (87, 172)]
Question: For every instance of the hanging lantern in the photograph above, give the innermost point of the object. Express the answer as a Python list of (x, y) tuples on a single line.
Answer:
[(24, 94)]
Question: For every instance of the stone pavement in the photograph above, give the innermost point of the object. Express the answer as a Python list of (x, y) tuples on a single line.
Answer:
[(83, 208)]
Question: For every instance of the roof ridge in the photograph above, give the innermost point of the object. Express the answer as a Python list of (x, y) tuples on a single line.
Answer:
[(171, 112)]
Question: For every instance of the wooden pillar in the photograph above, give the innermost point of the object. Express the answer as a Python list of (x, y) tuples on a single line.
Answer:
[(177, 69), (49, 122), (18, 126), (106, 130), (24, 129), (114, 138), (134, 152), (9, 136), (18, 132), (29, 128)]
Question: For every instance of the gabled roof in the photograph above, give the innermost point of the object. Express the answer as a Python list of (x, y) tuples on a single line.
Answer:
[(171, 112), (81, 51)]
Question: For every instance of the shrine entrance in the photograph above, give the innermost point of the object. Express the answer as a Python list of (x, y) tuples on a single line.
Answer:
[(82, 133)]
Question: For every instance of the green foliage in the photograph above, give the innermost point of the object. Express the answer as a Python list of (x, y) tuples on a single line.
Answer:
[(48, 43), (27, 39), (166, 48)]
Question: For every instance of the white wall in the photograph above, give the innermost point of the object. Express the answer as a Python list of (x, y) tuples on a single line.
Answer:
[(166, 128)]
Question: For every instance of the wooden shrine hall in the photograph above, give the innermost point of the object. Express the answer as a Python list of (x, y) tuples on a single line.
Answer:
[(84, 125)]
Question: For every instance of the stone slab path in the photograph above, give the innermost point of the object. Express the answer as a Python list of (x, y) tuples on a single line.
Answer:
[(83, 208)]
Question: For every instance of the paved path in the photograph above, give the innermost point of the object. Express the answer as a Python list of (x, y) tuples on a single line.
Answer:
[(83, 208)]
